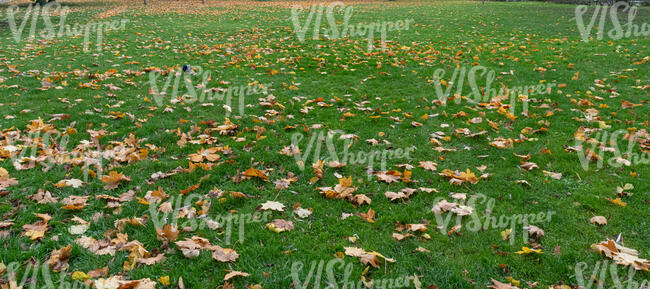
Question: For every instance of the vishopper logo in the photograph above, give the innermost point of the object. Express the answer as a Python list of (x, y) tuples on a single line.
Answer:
[(599, 277), (34, 12), (618, 31), (38, 276), (176, 208), (335, 267), (48, 149), (176, 78), (34, 149), (594, 149), (481, 74), (463, 207), (347, 30), (334, 156)]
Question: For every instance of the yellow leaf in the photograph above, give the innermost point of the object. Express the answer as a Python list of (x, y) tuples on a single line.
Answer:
[(273, 228), (618, 201), (526, 250), (78, 275), (513, 281), (505, 234), (164, 280)]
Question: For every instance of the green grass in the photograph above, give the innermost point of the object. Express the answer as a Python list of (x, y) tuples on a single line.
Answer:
[(245, 44)]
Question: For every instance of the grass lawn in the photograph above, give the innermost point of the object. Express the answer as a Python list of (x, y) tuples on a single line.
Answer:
[(223, 164)]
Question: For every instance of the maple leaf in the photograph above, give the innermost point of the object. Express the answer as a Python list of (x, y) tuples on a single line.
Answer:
[(361, 199), (120, 224), (78, 229), (75, 202), (622, 255), (152, 260), (58, 260), (318, 170), (78, 275), (281, 184), (232, 274), (335, 164), (428, 190), (505, 234), (168, 232), (400, 237), (600, 220), (429, 165), (458, 178), (98, 272), (394, 196), (5, 180), (369, 216), (502, 143), (209, 155), (164, 280), (499, 285), (626, 104), (279, 225), (224, 254), (370, 259), (44, 197), (35, 231), (462, 210), (406, 176), (529, 166), (251, 172), (389, 176), (526, 250), (443, 206), (617, 201), (113, 180), (102, 247), (290, 150), (273, 205), (591, 155), (523, 158), (302, 213), (416, 227), (191, 247), (191, 188), (354, 251), (118, 281), (421, 250), (554, 175), (534, 231)]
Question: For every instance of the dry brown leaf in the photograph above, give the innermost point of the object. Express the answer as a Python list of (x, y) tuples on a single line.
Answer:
[(622, 255), (534, 231), (225, 254), (600, 220), (251, 172), (58, 260), (168, 232), (279, 225), (429, 165), (113, 180), (273, 205), (499, 285), (234, 274), (389, 176)]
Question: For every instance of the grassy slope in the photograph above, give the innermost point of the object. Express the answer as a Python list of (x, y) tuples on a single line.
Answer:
[(447, 28)]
